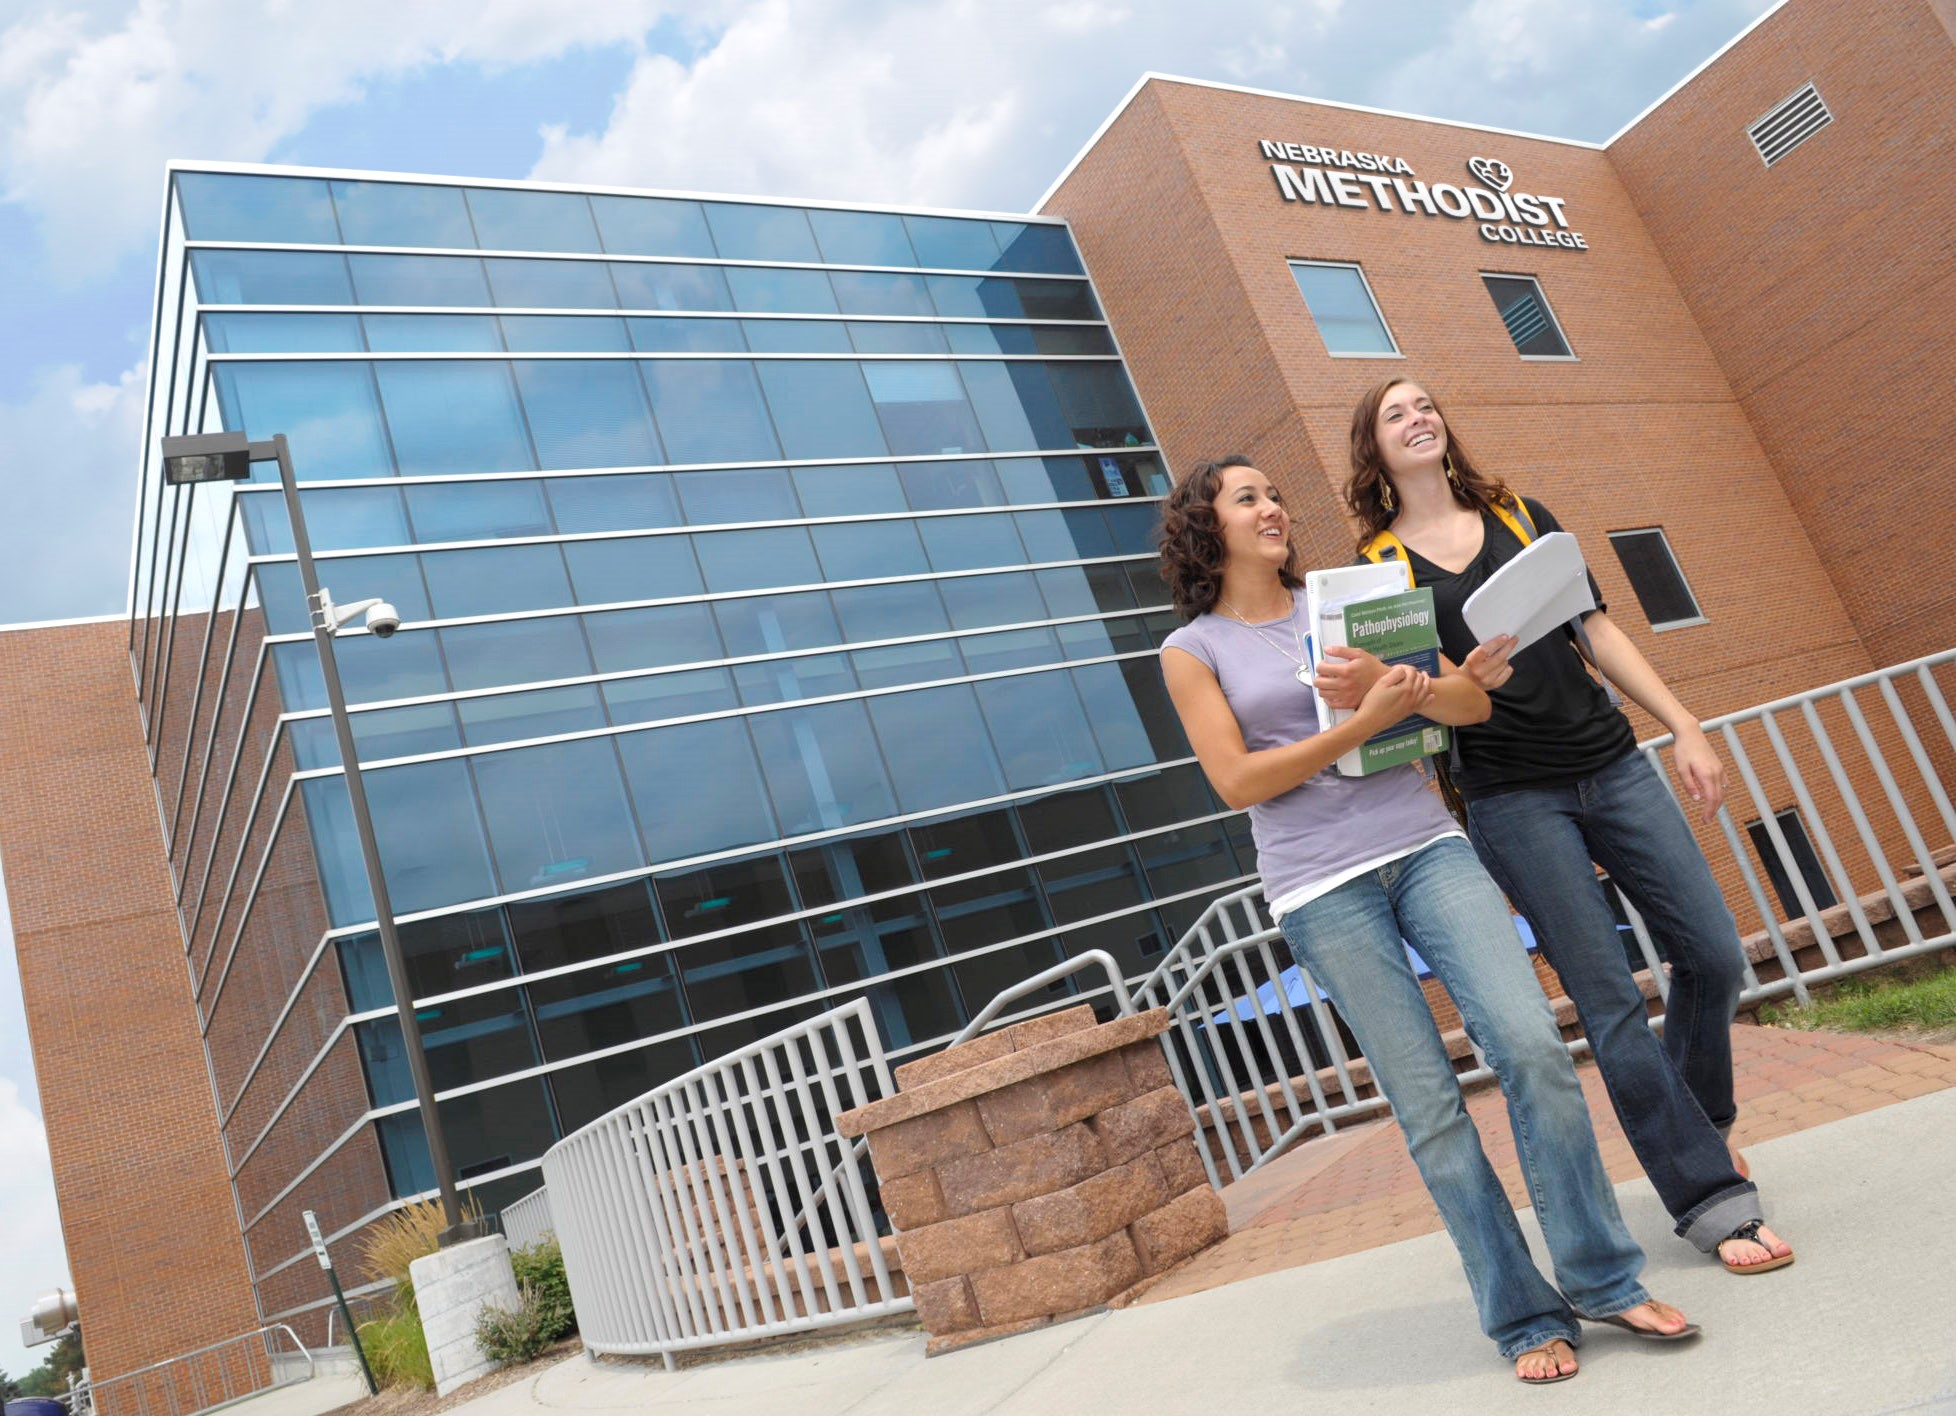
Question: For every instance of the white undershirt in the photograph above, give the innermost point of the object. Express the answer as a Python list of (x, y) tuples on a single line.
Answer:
[(1304, 894)]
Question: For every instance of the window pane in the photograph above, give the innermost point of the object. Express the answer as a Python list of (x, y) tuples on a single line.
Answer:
[(979, 600), (1071, 339), (566, 334), (892, 337), (496, 580), (952, 243), (849, 490), (401, 214), (452, 416), (697, 789), (862, 238), (923, 408), (327, 412), (783, 680), (950, 486), (1099, 404), (736, 494), (890, 611), (1654, 576), (822, 767), (429, 833), (833, 871), (768, 624), (821, 409), (1014, 649), (556, 813), (798, 337), (613, 1005), (1045, 249), (930, 662), (1117, 723), (788, 292), (647, 638), (478, 511), (1161, 798), (644, 502), (1518, 299), (757, 560), (376, 670), (283, 334), (711, 411), (1055, 299), (670, 287), (1071, 818), (433, 334), (1083, 590), (662, 696), (517, 717), (419, 280), (551, 285), (514, 651), (632, 568), (1040, 729), (969, 542), (379, 734), (666, 335), (864, 293), (587, 413), (1016, 406), (652, 226), (1045, 479), (1347, 318), (865, 550), (271, 277), (577, 928), (342, 519), (760, 233), (225, 206), (928, 781), (510, 220)]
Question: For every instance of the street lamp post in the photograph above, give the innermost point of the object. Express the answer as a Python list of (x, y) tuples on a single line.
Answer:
[(199, 459)]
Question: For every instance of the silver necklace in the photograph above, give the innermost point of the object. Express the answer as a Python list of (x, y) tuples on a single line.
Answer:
[(1302, 673)]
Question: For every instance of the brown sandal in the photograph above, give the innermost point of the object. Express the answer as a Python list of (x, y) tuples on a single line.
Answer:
[(1749, 1232), (1555, 1376)]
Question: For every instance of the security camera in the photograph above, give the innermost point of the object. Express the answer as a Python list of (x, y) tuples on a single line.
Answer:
[(382, 620)]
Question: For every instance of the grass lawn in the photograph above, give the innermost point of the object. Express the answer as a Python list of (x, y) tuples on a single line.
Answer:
[(1918, 998)]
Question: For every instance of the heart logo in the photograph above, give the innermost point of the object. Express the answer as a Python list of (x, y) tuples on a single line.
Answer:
[(1492, 172)]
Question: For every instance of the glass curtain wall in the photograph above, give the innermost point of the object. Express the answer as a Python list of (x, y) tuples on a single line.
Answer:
[(779, 620)]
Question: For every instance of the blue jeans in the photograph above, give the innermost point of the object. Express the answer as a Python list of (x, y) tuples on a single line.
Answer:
[(1441, 902), (1673, 1097)]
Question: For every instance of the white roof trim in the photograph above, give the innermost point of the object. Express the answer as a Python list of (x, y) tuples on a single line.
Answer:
[(347, 174), (1720, 53), (119, 617), (1143, 81)]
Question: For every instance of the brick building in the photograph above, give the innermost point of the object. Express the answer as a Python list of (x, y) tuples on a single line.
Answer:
[(1646, 334)]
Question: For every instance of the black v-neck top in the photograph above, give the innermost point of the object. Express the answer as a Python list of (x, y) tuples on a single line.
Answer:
[(1553, 723)]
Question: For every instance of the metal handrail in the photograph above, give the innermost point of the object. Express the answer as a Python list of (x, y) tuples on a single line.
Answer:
[(1099, 958)]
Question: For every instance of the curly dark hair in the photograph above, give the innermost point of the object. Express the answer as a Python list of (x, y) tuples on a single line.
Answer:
[(1190, 539), (1474, 488)]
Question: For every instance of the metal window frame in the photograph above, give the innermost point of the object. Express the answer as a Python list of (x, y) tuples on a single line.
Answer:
[(1555, 321), (1684, 622), (1365, 284)]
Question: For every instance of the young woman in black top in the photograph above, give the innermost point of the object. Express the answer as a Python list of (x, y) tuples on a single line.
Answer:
[(1553, 782)]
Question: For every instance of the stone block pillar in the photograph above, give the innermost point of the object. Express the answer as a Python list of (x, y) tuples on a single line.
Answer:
[(1038, 1173), (451, 1288)]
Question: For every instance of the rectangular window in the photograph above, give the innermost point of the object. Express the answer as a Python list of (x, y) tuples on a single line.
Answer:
[(1659, 584), (1799, 856), (1348, 319), (1524, 309)]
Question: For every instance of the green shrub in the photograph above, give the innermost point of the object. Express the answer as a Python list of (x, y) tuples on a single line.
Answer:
[(515, 1336), (396, 1347), (540, 1273)]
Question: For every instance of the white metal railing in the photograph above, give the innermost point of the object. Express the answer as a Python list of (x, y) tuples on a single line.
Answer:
[(526, 1222), (722, 1206), (203, 1380), (1261, 1057)]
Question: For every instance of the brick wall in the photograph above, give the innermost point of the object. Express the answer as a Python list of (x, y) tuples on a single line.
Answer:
[(146, 1208)]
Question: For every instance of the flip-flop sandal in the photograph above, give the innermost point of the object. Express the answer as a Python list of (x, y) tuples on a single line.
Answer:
[(1749, 1232), (1617, 1320), (1555, 1376)]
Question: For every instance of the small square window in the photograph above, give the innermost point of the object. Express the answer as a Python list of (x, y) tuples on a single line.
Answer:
[(1655, 577), (1525, 311), (1347, 316), (1799, 856)]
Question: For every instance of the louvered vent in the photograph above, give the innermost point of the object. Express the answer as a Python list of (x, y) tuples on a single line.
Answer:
[(1789, 125)]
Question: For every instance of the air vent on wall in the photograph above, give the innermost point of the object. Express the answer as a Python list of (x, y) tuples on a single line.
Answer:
[(1789, 124)]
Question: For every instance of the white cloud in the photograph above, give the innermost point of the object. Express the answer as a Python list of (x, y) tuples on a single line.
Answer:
[(93, 105), (945, 102), (71, 449)]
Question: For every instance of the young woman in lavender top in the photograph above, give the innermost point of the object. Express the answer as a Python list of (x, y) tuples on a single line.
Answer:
[(1356, 867)]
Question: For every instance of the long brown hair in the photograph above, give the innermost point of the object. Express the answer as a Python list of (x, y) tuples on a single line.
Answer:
[(1191, 543), (1364, 489)]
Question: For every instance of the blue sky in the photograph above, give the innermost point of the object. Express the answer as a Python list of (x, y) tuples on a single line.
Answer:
[(932, 102)]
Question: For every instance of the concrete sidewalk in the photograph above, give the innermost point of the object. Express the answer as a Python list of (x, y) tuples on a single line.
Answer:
[(1863, 1325)]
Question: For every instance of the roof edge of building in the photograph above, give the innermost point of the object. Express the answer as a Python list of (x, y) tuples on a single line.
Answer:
[(118, 616), (1675, 89)]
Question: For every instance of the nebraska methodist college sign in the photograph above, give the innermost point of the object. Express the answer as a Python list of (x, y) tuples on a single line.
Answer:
[(1334, 177)]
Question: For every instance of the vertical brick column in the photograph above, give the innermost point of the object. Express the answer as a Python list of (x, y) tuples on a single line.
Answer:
[(1037, 1173)]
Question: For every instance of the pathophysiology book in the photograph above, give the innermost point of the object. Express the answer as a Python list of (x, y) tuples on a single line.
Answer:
[(1398, 628)]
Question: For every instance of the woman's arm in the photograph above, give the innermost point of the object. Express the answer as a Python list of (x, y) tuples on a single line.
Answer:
[(1244, 778), (1697, 764), (1346, 673)]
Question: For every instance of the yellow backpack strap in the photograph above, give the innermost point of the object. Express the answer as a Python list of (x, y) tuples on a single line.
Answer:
[(1514, 515), (1384, 547)]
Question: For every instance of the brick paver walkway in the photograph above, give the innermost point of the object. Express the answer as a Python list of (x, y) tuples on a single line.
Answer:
[(1358, 1189)]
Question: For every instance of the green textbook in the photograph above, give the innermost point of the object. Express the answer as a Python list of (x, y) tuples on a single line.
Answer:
[(1398, 629)]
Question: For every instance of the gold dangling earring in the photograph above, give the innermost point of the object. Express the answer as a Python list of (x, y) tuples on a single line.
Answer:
[(1385, 494), (1453, 473)]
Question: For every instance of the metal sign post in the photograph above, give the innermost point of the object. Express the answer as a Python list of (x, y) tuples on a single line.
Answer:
[(339, 1296)]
